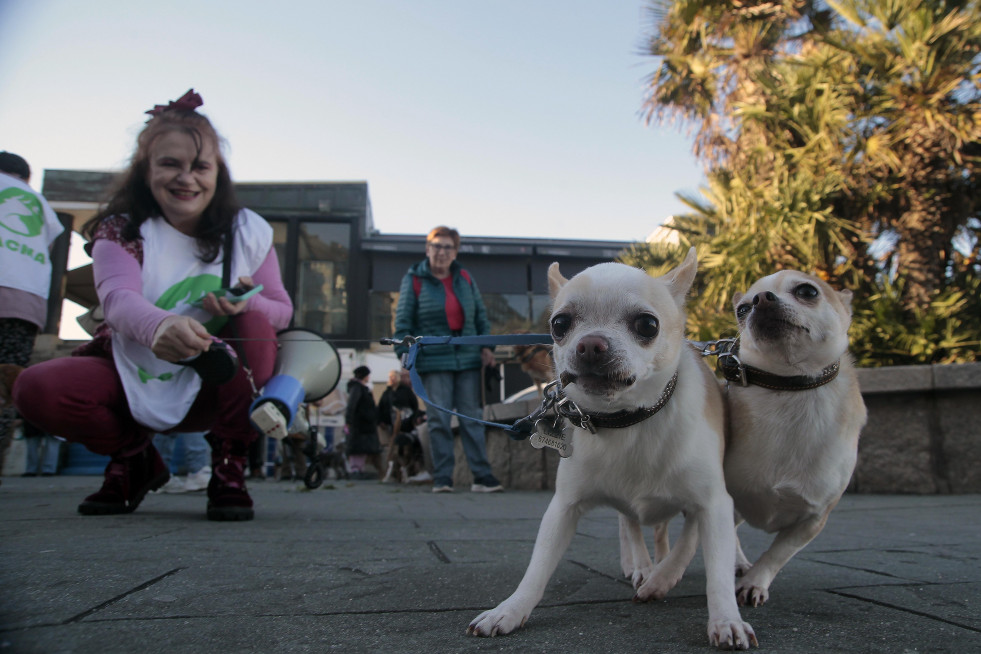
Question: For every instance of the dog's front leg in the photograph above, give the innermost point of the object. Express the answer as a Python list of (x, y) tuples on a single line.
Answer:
[(726, 629), (554, 535), (754, 586)]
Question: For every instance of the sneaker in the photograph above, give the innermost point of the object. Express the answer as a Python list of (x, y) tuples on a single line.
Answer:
[(420, 478), (486, 484), (197, 480), (175, 485), (442, 488)]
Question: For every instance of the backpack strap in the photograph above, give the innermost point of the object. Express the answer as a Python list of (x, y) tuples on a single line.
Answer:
[(417, 282)]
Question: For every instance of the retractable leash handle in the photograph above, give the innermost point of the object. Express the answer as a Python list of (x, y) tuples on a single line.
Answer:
[(522, 428)]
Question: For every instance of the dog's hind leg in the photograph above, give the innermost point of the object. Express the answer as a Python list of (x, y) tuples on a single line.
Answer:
[(635, 560), (554, 535), (754, 586), (671, 568), (742, 563)]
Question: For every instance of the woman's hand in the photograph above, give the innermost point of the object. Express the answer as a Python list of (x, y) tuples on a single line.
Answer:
[(222, 306), (179, 337), (487, 357)]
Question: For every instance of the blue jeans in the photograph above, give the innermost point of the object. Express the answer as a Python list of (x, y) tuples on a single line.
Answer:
[(49, 461), (196, 448), (459, 391)]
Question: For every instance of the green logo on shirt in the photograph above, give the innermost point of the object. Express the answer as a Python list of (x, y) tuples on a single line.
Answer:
[(21, 213)]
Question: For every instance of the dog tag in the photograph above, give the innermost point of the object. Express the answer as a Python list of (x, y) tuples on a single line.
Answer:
[(549, 434)]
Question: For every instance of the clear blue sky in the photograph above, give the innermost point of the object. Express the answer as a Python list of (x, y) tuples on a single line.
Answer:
[(505, 118)]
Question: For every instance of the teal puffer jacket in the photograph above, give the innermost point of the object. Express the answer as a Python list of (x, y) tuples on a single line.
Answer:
[(425, 315)]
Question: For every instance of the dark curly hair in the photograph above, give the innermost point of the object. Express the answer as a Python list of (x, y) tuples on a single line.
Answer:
[(131, 197)]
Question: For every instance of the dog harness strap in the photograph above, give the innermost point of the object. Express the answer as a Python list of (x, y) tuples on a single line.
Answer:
[(735, 370)]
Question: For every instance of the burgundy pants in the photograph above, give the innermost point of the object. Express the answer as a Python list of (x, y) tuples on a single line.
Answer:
[(82, 400)]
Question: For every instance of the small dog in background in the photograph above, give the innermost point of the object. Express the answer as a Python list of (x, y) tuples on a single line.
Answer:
[(795, 423), (536, 362)]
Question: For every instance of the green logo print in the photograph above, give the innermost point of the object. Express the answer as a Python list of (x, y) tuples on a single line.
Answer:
[(145, 376), (20, 212), (189, 290)]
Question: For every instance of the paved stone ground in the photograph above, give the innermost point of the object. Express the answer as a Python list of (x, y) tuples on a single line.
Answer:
[(365, 567)]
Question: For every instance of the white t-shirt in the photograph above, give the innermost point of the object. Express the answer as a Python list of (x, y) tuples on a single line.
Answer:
[(28, 227), (161, 393)]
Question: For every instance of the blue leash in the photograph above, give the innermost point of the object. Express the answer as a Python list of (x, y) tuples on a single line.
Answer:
[(519, 430)]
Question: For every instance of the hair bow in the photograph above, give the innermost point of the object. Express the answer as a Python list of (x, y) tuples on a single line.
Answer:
[(187, 102)]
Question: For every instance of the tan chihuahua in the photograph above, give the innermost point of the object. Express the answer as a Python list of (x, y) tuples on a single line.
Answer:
[(652, 445), (796, 420)]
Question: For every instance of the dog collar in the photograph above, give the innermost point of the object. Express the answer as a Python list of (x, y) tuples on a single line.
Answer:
[(734, 370), (617, 420)]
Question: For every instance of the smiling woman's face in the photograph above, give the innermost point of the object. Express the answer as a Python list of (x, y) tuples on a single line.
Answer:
[(182, 179)]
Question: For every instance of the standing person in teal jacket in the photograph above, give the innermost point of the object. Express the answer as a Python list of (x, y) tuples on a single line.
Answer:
[(439, 298)]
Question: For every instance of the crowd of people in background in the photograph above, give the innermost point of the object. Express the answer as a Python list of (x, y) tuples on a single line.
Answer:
[(173, 356)]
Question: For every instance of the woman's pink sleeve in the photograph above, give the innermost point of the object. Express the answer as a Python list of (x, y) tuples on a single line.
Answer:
[(119, 285), (272, 301)]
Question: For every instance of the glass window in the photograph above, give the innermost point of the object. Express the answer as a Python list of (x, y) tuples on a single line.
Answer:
[(280, 231), (383, 305), (321, 277), (509, 313)]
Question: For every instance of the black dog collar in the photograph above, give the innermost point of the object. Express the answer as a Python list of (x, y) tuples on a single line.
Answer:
[(735, 370), (619, 419)]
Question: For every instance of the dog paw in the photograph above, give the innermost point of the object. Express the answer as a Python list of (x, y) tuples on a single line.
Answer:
[(743, 567), (639, 575), (656, 586), (750, 594), (498, 621), (731, 634)]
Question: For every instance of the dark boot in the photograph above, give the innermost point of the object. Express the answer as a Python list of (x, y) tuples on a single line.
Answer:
[(128, 478), (228, 498)]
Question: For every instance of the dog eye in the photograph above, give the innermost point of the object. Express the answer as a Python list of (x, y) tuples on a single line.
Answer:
[(646, 325), (742, 310), (806, 292), (561, 325)]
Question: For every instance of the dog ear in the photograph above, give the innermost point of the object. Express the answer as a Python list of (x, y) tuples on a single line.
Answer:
[(555, 279), (680, 279), (736, 297)]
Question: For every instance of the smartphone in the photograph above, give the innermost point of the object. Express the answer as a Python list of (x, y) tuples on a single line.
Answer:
[(233, 294)]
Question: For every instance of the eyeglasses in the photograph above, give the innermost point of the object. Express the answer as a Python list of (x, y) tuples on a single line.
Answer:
[(441, 248)]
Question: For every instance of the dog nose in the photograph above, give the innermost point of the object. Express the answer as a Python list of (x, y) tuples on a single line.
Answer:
[(592, 347), (763, 298)]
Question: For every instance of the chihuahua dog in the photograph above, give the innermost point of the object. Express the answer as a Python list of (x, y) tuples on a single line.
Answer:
[(796, 420), (648, 441), (536, 362)]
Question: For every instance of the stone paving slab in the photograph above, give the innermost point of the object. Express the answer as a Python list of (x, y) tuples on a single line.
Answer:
[(363, 567)]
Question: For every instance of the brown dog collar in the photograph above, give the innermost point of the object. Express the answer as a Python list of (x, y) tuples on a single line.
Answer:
[(734, 370)]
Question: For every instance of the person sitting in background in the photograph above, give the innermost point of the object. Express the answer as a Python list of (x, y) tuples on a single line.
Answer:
[(170, 235)]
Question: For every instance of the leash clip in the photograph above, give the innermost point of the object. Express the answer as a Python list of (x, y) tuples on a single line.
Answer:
[(407, 341)]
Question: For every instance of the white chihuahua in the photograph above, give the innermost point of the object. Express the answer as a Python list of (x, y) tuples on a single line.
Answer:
[(657, 449), (795, 423)]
